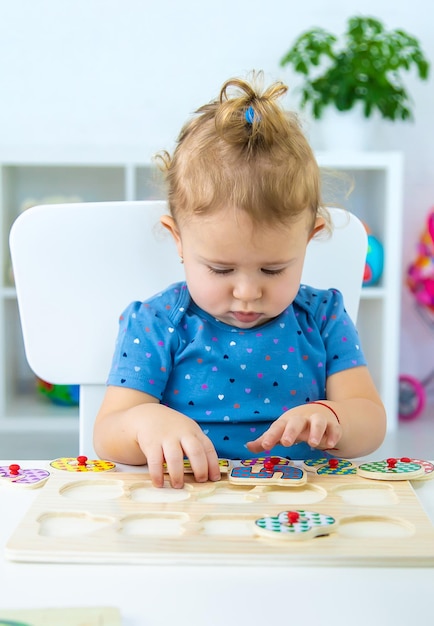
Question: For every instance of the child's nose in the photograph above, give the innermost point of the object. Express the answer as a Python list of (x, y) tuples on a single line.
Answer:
[(247, 290)]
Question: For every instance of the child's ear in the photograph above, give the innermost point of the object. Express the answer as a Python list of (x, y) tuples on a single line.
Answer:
[(169, 223), (318, 227)]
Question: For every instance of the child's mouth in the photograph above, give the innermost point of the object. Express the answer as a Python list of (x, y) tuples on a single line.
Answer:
[(246, 318)]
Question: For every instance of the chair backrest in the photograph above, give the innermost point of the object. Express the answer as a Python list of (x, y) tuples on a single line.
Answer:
[(76, 267)]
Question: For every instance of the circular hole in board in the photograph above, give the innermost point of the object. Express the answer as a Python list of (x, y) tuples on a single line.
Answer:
[(228, 494), (307, 494), (375, 526), (367, 495), (226, 526), (153, 524), (145, 492), (93, 490), (71, 524)]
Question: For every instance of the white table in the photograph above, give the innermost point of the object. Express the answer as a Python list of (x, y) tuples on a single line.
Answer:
[(211, 596)]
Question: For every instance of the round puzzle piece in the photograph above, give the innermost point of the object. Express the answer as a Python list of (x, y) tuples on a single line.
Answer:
[(82, 464), (295, 525), (29, 478), (391, 469)]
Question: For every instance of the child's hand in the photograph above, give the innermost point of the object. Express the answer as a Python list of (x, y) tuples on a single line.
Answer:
[(170, 438), (311, 423)]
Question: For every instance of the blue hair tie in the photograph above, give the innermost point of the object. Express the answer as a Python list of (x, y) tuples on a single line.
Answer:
[(250, 115)]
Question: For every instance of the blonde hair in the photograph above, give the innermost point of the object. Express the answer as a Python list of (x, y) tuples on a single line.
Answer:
[(243, 150)]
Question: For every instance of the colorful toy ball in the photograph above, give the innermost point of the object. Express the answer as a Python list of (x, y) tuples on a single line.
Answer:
[(374, 261), (62, 395)]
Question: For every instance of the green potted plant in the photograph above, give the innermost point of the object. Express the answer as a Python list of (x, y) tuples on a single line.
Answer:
[(364, 67)]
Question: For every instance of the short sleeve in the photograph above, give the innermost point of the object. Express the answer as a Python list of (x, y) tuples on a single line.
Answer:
[(142, 357), (339, 333)]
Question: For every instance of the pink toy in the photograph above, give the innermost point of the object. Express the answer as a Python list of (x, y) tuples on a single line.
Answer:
[(420, 281), (420, 277)]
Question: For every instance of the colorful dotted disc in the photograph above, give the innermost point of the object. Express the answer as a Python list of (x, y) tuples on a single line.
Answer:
[(299, 524), (71, 464), (391, 469), (29, 477)]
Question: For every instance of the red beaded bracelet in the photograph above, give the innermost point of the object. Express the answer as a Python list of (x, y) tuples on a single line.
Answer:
[(328, 407)]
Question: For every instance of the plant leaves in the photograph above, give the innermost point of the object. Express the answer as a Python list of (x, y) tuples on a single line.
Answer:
[(365, 65)]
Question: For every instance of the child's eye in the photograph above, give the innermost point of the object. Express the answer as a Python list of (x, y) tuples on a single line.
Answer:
[(272, 272), (220, 271)]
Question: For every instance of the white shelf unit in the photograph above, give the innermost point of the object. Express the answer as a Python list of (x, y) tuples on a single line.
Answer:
[(377, 199)]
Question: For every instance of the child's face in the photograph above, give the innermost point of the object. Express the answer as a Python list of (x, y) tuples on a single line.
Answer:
[(241, 273)]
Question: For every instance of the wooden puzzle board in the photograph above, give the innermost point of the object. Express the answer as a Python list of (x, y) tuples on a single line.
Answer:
[(121, 518)]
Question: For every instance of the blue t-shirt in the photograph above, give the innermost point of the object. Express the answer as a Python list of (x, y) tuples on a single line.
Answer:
[(235, 382)]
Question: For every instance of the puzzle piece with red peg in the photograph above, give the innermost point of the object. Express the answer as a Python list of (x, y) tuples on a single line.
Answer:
[(82, 464), (295, 525), (330, 467), (403, 468), (266, 470), (27, 478)]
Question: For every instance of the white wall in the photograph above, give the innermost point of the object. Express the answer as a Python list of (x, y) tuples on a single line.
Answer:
[(127, 73)]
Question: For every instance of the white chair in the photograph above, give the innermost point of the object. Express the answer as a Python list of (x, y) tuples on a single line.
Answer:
[(77, 266)]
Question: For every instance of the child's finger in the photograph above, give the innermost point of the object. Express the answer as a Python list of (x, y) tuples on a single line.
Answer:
[(256, 445), (271, 437), (294, 431), (214, 473), (317, 430), (174, 457), (195, 452), (154, 461), (322, 431), (333, 435)]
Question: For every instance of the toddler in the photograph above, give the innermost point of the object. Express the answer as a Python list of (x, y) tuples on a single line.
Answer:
[(240, 359)]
